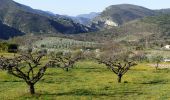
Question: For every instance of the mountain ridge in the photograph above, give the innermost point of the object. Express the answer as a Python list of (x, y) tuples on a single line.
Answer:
[(31, 21), (116, 15)]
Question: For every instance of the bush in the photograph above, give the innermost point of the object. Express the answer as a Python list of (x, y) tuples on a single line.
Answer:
[(12, 48)]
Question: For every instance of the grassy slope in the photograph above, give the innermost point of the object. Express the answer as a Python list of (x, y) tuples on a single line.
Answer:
[(88, 81)]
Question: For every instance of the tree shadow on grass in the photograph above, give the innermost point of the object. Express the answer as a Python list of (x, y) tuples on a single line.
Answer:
[(164, 70), (89, 68), (155, 82), (85, 92), (12, 81)]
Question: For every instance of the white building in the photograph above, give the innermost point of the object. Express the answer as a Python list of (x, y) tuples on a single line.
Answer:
[(167, 47), (166, 60)]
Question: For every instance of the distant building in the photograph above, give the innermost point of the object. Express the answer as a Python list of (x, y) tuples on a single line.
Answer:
[(166, 60), (167, 47)]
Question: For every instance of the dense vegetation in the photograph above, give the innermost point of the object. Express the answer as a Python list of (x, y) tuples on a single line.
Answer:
[(63, 43), (163, 22)]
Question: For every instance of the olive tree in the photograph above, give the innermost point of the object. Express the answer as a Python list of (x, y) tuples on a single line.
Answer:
[(27, 66), (157, 59)]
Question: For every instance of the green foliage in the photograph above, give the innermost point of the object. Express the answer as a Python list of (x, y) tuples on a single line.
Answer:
[(3, 46), (63, 43), (12, 48), (163, 22), (157, 59)]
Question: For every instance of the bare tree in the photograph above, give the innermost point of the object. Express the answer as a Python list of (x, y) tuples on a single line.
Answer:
[(119, 68), (157, 59), (118, 60), (28, 67), (139, 56), (3, 63), (66, 60)]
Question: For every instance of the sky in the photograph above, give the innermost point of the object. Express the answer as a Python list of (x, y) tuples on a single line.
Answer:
[(76, 7)]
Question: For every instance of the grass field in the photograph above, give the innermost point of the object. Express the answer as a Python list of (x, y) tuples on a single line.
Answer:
[(91, 81)]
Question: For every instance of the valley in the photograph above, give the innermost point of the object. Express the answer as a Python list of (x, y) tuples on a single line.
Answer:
[(120, 53)]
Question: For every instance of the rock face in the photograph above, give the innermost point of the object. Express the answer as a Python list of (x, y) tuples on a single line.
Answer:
[(110, 23), (119, 14), (32, 21)]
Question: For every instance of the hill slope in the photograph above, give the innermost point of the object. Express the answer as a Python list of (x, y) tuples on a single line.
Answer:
[(152, 28), (119, 14), (29, 20), (7, 32)]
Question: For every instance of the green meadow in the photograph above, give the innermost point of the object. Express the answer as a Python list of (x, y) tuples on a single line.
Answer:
[(89, 80)]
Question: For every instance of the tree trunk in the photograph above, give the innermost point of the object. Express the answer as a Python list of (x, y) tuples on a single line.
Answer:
[(32, 90), (67, 69), (157, 65), (119, 78)]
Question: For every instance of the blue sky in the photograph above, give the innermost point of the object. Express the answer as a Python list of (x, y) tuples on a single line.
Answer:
[(75, 7)]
